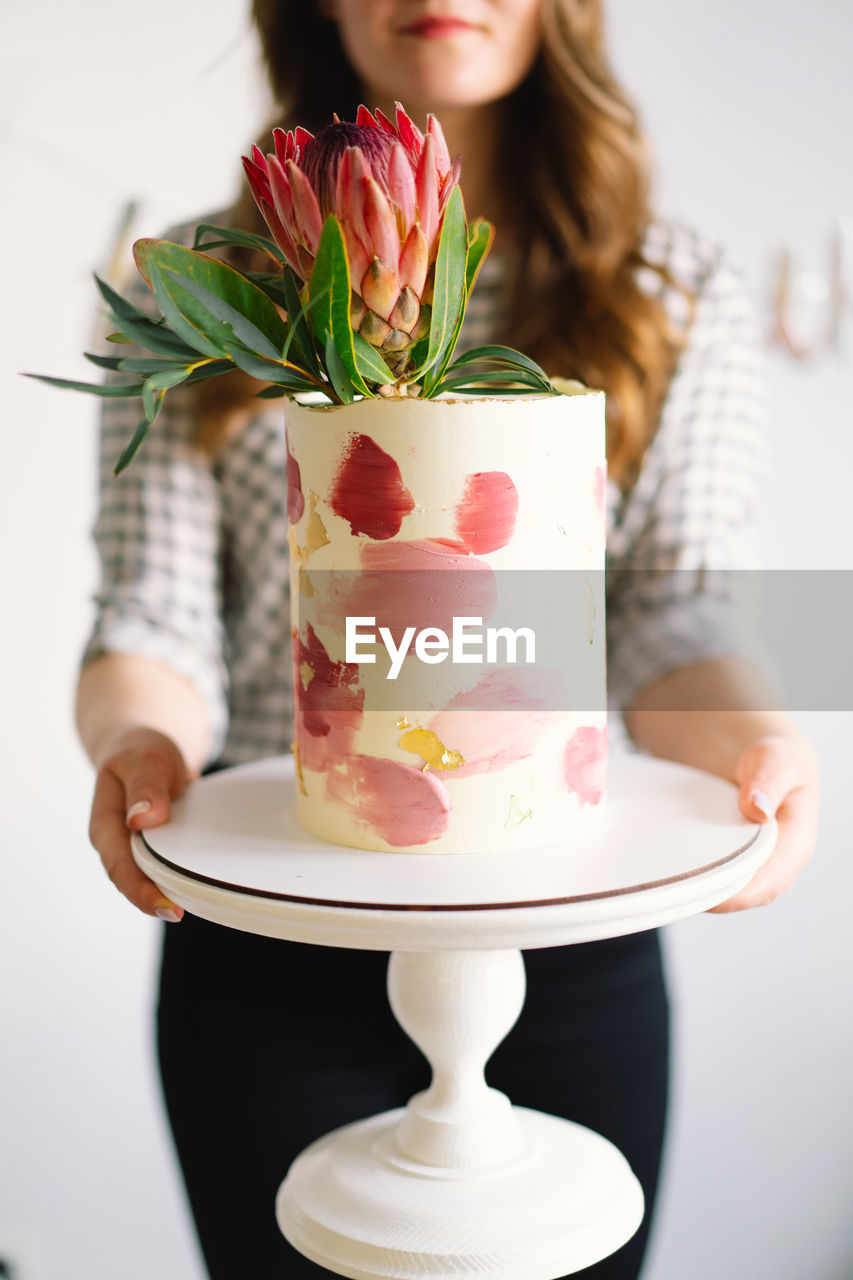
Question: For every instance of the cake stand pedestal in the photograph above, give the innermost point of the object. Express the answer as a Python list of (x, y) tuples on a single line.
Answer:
[(459, 1183)]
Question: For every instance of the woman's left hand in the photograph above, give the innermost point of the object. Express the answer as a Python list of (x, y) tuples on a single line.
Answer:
[(778, 777)]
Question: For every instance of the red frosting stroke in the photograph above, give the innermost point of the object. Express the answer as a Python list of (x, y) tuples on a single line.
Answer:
[(295, 496), (401, 803), (368, 490), (486, 514), (585, 763), (329, 707)]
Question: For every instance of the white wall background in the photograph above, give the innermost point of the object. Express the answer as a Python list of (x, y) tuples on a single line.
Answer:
[(747, 102)]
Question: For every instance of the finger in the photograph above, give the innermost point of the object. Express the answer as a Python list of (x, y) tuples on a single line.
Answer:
[(797, 820), (767, 772), (152, 779), (109, 835)]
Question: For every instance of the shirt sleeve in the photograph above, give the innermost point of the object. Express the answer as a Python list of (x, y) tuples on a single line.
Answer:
[(689, 531), (158, 533)]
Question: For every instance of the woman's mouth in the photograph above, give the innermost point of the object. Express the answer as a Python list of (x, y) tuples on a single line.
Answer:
[(438, 27)]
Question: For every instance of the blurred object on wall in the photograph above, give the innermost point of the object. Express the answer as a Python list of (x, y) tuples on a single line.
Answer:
[(810, 298)]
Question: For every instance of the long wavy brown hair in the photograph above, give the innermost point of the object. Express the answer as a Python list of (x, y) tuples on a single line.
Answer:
[(580, 203)]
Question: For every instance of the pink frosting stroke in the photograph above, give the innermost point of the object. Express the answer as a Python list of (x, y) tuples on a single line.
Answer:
[(486, 513), (496, 723), (295, 496), (585, 763), (401, 803), (599, 485), (368, 490)]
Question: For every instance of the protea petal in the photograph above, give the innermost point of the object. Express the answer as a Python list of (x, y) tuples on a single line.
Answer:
[(414, 261), (405, 312), (401, 186), (256, 172), (380, 288), (304, 262), (300, 138), (350, 192), (381, 225), (285, 147), (306, 210), (357, 256), (357, 310), (426, 185), (365, 117), (397, 340), (385, 123), (261, 191), (374, 329), (281, 192), (442, 155), (449, 183), (409, 134)]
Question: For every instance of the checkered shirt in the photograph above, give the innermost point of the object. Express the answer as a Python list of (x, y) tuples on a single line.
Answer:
[(194, 550)]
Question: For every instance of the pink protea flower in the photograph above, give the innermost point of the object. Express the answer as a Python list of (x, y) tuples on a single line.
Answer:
[(388, 184)]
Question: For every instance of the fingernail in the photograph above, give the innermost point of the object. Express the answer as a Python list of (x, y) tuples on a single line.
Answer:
[(141, 806), (762, 801), (166, 913)]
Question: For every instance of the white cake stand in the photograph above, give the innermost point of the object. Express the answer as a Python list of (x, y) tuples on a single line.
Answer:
[(459, 1183)]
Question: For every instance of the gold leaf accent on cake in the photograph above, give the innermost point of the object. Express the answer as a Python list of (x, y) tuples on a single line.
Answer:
[(315, 530), (294, 747), (295, 549), (306, 674), (402, 723), (306, 586), (424, 742), (518, 811)]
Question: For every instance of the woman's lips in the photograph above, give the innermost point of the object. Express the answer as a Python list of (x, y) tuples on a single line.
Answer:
[(434, 28)]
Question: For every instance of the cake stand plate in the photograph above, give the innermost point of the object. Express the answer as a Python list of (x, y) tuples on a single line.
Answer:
[(459, 1183), (672, 842)]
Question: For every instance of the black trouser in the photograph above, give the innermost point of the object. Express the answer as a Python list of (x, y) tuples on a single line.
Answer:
[(266, 1045)]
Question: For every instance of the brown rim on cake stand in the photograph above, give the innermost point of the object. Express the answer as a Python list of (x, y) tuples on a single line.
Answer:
[(435, 1188)]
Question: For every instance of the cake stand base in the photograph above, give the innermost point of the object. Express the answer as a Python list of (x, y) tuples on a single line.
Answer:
[(352, 1203), (459, 1183)]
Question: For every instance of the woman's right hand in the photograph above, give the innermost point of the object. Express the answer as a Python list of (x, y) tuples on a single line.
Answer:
[(141, 773)]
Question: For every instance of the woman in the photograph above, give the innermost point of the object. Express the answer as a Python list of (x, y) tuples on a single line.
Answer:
[(263, 1047)]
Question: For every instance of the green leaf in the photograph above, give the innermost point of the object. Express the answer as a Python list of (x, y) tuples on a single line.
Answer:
[(338, 373), (269, 282), (109, 389), (493, 380), (216, 289), (132, 364), (478, 389), (506, 357), (104, 362), (235, 236), (271, 393), (299, 336), (330, 318), (222, 322), (371, 366), (448, 302), (135, 326), (271, 370), (190, 331), (158, 384), (130, 450), (480, 237)]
